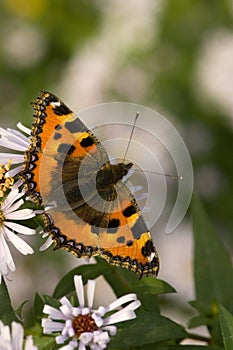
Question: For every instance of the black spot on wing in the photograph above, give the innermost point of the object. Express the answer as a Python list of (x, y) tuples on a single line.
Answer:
[(121, 239), (129, 211), (58, 127), (114, 223), (139, 228), (95, 229), (148, 248), (113, 226), (87, 142), (129, 243), (61, 109), (57, 136), (76, 126), (66, 148)]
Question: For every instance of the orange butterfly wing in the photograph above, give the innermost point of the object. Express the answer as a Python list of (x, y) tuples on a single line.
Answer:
[(61, 168)]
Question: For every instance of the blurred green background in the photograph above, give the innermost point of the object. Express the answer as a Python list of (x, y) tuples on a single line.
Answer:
[(171, 55)]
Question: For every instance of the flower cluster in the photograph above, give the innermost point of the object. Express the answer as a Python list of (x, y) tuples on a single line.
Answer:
[(12, 198), (84, 326)]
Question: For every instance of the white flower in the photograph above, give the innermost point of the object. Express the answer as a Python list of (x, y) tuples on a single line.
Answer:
[(9, 212), (16, 141), (13, 339), (83, 326)]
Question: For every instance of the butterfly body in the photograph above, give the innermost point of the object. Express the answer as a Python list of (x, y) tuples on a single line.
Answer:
[(90, 211)]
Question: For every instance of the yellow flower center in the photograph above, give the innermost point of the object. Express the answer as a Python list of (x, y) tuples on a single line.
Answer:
[(5, 182), (2, 218), (84, 323)]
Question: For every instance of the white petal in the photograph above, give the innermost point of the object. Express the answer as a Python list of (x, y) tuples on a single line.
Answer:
[(29, 344), (111, 329), (15, 137), (136, 188), (81, 346), (17, 333), (90, 292), (50, 326), (86, 337), (98, 320), (66, 347), (11, 198), (140, 197), (78, 282), (73, 343), (101, 337), (17, 184), (23, 128), (13, 207), (69, 328), (101, 310), (18, 242), (6, 261), (77, 311), (65, 301), (47, 244), (133, 306), (85, 311), (16, 158), (12, 145), (22, 214), (15, 171), (120, 301), (120, 316), (53, 312), (5, 332), (20, 228), (66, 310), (39, 211)]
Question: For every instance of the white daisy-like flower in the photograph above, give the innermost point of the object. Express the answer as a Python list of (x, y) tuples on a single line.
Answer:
[(16, 141), (12, 339), (9, 229), (84, 326)]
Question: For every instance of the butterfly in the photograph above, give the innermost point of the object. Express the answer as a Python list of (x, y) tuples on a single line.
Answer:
[(89, 210)]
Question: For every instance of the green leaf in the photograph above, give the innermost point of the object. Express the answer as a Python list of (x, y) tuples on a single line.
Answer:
[(45, 342), (51, 301), (147, 328), (199, 321), (7, 314), (38, 307), (226, 324), (121, 280), (66, 284), (20, 309), (147, 290), (154, 286), (155, 346), (124, 281), (193, 347), (212, 264)]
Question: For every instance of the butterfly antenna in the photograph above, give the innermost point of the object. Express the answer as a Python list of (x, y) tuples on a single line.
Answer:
[(176, 177), (131, 135)]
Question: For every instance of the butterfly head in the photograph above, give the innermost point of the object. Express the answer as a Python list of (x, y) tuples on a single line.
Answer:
[(109, 174)]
